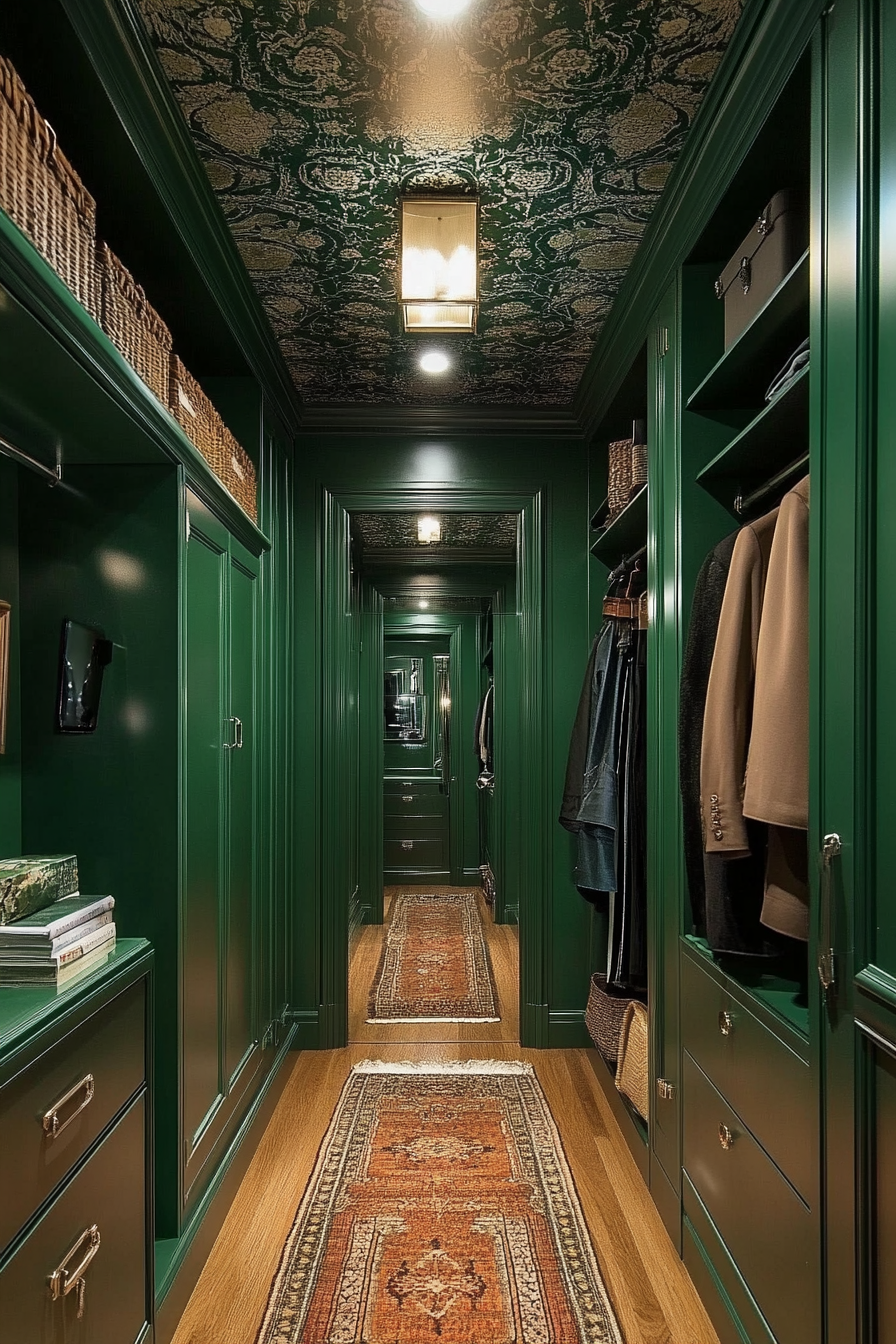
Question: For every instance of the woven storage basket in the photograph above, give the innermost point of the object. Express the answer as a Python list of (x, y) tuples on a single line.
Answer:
[(133, 325), (639, 468), (238, 473), (632, 1068), (604, 1016), (42, 193), (619, 477), (196, 415)]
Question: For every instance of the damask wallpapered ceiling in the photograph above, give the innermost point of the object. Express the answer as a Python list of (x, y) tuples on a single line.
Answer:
[(313, 116), (460, 531)]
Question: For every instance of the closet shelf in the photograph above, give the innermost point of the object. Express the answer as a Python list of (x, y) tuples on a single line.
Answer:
[(86, 383), (599, 513), (626, 533), (747, 367), (777, 435)]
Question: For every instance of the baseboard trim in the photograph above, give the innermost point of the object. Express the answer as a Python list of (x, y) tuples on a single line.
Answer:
[(205, 1222), (306, 1025), (567, 1030)]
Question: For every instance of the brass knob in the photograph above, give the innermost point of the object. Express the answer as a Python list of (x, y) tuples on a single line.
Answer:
[(726, 1138), (726, 1023)]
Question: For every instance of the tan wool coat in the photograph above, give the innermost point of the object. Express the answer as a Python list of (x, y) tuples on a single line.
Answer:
[(728, 717)]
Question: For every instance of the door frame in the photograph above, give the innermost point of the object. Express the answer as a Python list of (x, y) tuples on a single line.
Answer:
[(530, 825)]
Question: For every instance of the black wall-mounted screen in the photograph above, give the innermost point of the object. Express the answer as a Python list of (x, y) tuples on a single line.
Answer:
[(85, 654)]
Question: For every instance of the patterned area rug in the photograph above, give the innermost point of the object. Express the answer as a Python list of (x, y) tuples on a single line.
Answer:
[(441, 1209), (435, 965)]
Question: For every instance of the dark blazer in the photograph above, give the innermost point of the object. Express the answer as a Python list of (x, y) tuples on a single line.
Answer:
[(707, 605)]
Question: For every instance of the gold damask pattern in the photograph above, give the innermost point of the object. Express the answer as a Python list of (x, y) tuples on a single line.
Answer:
[(313, 116)]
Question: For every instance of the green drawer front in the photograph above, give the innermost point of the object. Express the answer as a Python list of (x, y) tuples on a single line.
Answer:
[(412, 800), (109, 1048), (767, 1084), (766, 1227), (413, 828), (108, 1191), (415, 855)]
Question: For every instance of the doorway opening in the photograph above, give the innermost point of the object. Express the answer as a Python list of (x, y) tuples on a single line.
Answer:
[(434, 949)]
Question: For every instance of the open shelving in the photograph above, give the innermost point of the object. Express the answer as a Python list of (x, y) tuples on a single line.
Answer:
[(627, 532), (779, 433)]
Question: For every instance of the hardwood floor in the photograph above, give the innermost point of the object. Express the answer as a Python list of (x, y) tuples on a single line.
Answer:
[(649, 1288), (503, 948)]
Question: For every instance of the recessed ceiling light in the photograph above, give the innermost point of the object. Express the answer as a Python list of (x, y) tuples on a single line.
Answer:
[(428, 530), (424, 604), (434, 362), (442, 9)]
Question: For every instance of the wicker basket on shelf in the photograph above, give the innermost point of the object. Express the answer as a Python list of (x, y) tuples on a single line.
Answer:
[(238, 473), (133, 325), (604, 1016), (619, 475), (632, 1069), (196, 415), (639, 468), (42, 193)]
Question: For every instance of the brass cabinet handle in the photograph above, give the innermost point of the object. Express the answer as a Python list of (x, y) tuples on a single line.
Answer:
[(664, 1089), (237, 743), (830, 848), (726, 1023), (407, 797), (726, 1138), (407, 844), (63, 1280), (52, 1125)]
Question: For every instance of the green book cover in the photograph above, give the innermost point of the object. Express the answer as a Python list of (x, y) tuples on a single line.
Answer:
[(33, 882)]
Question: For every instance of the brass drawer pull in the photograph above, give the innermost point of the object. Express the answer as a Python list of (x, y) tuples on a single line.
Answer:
[(407, 797), (726, 1023), (726, 1138), (52, 1125), (63, 1280), (664, 1089), (407, 844)]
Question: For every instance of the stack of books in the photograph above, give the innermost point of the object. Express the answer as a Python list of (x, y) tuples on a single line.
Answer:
[(49, 932), (61, 941)]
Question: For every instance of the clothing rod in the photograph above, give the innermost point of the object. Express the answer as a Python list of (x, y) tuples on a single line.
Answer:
[(10, 450), (743, 503), (625, 565)]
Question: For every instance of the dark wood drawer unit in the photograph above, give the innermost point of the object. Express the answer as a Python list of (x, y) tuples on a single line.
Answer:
[(763, 1079), (765, 1225), (415, 854), (53, 1110), (107, 1194), (412, 800)]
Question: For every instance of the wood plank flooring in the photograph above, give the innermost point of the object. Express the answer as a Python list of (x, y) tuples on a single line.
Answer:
[(503, 948), (650, 1290)]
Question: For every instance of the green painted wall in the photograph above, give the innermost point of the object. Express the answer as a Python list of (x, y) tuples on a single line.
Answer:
[(559, 470)]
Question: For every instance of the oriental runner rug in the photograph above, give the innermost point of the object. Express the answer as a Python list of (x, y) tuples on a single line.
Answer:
[(441, 1209), (435, 965)]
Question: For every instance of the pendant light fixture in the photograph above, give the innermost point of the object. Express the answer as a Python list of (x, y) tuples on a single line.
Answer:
[(439, 263)]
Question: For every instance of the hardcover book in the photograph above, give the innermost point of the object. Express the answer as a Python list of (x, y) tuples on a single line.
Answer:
[(50, 924), (33, 882)]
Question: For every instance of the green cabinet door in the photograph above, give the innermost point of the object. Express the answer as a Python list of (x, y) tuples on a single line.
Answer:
[(204, 738)]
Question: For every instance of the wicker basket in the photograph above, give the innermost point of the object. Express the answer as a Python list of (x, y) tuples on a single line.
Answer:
[(196, 415), (619, 476), (42, 193), (238, 473), (133, 325), (639, 468), (604, 1016), (632, 1070)]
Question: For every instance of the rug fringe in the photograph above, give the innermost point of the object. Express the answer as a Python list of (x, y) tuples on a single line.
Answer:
[(506, 1066)]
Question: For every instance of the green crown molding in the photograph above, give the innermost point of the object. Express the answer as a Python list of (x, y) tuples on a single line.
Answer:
[(558, 422), (113, 35), (767, 43)]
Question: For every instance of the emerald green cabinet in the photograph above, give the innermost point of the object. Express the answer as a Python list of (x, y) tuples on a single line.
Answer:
[(221, 977)]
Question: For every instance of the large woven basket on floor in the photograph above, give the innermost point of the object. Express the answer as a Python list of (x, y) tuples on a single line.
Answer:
[(133, 325), (632, 1068), (42, 193), (238, 473), (604, 1016), (619, 475), (196, 415)]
